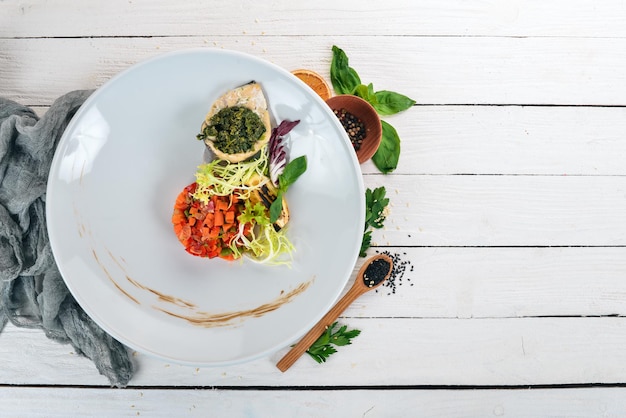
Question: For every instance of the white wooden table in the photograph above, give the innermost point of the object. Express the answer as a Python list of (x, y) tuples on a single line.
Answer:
[(509, 203)]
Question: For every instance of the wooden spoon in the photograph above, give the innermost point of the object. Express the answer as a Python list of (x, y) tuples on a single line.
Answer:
[(363, 283)]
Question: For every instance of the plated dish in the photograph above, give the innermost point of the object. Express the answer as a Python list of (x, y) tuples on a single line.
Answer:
[(118, 169)]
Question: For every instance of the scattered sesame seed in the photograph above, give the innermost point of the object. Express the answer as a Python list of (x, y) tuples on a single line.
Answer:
[(400, 267)]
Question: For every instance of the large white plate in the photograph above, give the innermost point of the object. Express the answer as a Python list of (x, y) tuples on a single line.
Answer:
[(123, 159)]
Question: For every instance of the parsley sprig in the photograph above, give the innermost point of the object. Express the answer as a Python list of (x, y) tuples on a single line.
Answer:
[(375, 214), (323, 347)]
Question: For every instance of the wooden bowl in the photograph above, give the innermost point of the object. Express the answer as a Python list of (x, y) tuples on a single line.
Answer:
[(365, 113)]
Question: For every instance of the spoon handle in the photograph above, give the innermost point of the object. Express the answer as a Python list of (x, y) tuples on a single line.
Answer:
[(300, 348)]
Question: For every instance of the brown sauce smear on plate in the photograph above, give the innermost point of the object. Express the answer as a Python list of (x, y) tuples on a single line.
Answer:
[(195, 317), (220, 319)]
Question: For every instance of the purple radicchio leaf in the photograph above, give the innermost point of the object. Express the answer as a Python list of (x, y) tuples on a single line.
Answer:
[(277, 152)]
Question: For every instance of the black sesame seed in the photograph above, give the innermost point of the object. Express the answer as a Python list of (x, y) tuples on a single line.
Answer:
[(376, 272), (398, 270)]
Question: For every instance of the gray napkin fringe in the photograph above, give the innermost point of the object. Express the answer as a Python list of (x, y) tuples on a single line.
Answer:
[(32, 291)]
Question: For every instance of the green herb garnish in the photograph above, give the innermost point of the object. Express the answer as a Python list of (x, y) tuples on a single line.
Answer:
[(323, 347), (375, 215), (290, 174), (253, 212), (389, 102), (345, 80), (388, 153), (343, 77)]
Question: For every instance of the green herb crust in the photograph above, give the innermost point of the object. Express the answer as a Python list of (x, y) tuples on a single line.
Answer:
[(235, 129)]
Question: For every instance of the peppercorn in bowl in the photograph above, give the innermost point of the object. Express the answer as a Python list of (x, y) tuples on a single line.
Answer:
[(361, 123)]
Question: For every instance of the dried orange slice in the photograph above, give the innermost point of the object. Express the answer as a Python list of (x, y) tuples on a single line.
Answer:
[(315, 81)]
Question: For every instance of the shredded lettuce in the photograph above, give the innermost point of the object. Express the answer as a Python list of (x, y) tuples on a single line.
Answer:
[(261, 243), (271, 246), (264, 245), (224, 178)]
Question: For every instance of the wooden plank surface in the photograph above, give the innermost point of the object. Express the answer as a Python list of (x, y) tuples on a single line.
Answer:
[(432, 70), (453, 298), (497, 210), (511, 140), (389, 352), (577, 402), (504, 282), (508, 205), (562, 18)]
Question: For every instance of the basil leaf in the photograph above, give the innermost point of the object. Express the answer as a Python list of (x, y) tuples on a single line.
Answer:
[(276, 207), (290, 174), (388, 153), (343, 78), (292, 171), (366, 93), (389, 102)]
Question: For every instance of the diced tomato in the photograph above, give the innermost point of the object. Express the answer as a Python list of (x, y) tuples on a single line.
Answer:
[(219, 218), (206, 230)]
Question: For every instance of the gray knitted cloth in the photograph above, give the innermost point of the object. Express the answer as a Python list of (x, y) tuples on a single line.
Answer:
[(32, 292)]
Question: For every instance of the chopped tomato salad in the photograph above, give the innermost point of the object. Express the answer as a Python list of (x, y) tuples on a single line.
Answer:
[(207, 229), (236, 208)]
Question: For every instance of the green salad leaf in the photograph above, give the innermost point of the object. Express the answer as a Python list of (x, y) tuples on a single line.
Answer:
[(262, 243), (254, 213)]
